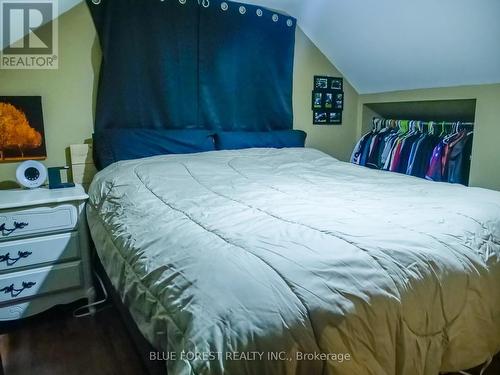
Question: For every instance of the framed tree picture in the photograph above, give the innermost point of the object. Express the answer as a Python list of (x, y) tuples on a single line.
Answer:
[(22, 133)]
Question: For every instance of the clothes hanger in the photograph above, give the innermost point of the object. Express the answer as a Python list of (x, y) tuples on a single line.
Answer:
[(471, 131), (443, 129), (454, 132), (380, 125), (406, 126), (413, 127)]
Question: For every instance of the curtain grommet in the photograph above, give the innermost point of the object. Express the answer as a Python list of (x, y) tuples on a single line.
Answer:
[(96, 2), (275, 17), (289, 23), (224, 6), (182, 2), (259, 12), (242, 10)]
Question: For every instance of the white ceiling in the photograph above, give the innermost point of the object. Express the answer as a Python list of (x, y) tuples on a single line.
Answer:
[(389, 45)]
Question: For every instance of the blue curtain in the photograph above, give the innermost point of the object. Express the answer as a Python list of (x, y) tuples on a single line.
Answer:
[(246, 66), (181, 64)]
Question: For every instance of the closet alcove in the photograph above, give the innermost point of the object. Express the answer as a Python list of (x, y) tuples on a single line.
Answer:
[(446, 118), (463, 110)]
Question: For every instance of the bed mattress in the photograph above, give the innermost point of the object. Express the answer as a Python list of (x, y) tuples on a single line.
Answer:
[(266, 261)]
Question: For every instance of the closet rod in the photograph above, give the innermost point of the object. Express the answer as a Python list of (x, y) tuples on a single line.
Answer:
[(435, 123)]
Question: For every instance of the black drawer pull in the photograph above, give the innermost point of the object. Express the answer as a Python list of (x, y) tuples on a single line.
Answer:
[(11, 261), (6, 231), (15, 292)]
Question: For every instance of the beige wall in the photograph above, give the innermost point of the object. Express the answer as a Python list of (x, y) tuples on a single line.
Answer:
[(337, 140), (68, 93), (486, 150)]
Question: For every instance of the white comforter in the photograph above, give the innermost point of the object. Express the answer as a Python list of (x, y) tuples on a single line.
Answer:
[(229, 258)]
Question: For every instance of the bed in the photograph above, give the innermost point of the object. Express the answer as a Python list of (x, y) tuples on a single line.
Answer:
[(288, 261)]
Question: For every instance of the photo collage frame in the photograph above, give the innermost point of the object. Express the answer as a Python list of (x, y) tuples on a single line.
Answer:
[(327, 100)]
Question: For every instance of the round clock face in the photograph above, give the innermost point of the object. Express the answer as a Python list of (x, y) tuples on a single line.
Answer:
[(31, 173)]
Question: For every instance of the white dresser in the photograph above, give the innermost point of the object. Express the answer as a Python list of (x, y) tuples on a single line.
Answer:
[(44, 250)]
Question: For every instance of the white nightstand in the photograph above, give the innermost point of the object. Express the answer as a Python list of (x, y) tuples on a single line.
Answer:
[(44, 250)]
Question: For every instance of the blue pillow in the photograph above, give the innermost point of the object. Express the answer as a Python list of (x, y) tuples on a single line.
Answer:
[(112, 145), (271, 139)]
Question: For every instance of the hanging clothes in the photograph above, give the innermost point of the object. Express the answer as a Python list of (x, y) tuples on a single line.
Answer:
[(459, 161), (421, 155), (454, 153), (414, 148), (359, 149)]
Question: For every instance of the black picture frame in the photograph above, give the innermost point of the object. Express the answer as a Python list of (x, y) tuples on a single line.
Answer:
[(338, 100), (327, 117), (327, 100), (317, 100), (321, 82), (335, 118), (320, 118), (336, 83)]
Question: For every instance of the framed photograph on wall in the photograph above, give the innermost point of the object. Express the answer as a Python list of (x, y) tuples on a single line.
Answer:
[(22, 135), (327, 117), (335, 118), (336, 83), (338, 100), (320, 118), (317, 102), (320, 82), (327, 100)]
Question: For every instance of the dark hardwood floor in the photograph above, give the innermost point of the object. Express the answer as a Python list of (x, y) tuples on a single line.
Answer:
[(55, 343)]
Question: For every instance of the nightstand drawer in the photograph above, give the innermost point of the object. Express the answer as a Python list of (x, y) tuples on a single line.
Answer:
[(33, 251), (44, 250), (17, 285), (23, 223)]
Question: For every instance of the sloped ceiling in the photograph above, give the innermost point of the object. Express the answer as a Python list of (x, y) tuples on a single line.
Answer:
[(389, 45)]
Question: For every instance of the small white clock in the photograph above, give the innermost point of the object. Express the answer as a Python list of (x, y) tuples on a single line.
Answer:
[(31, 174)]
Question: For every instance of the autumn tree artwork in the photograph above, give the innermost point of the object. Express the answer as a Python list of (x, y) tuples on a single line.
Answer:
[(21, 129)]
